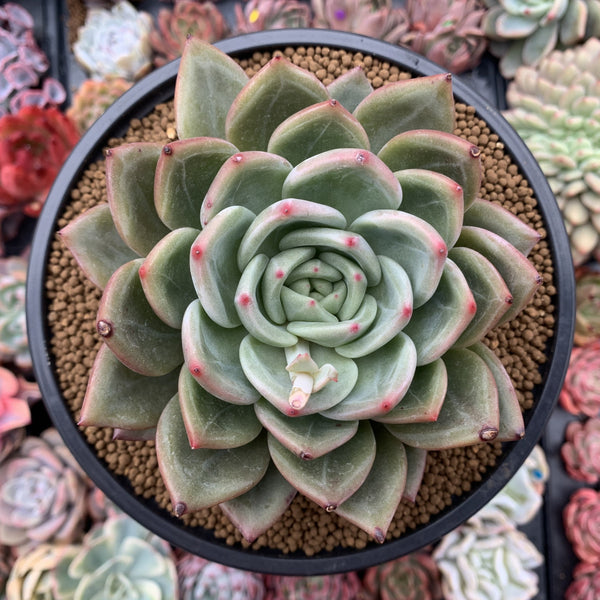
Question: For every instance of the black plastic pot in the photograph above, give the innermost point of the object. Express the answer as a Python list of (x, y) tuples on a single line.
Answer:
[(140, 100)]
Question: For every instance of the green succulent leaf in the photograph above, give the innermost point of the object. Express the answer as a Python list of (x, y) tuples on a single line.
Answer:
[(212, 356), (333, 478), (374, 504), (469, 414), (515, 26), (350, 88), (298, 307), (205, 72), (330, 178), (405, 105), (416, 459), (169, 289), (96, 244), (437, 151), (211, 422), (130, 191), (200, 478), (119, 397), (261, 507), (276, 92), (131, 329), (307, 437), (540, 43), (184, 174)]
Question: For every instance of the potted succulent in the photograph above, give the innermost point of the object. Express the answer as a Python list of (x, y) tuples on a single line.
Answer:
[(296, 282)]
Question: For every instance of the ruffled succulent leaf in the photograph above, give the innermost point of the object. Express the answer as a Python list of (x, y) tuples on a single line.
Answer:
[(512, 427), (518, 273), (374, 504), (318, 128), (350, 88), (212, 356), (132, 330), (393, 367), (330, 178), (494, 217), (250, 179), (409, 241), (491, 294), (265, 368), (423, 400), (282, 87), (214, 276), (333, 478), (416, 459), (169, 289), (308, 437), (200, 478), (437, 151), (211, 422), (434, 198), (469, 414), (435, 326), (405, 105), (205, 72), (119, 397), (261, 507), (184, 173), (96, 244)]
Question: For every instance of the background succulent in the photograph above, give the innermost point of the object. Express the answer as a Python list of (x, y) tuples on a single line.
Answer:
[(283, 401), (323, 587), (258, 15), (523, 32), (14, 405), (580, 394), (581, 450), (555, 108), (587, 301), (585, 584), (581, 518)]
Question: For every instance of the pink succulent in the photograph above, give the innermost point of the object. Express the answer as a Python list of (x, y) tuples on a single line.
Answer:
[(581, 518), (585, 584), (14, 405), (345, 586), (259, 15), (412, 577), (587, 301), (581, 450), (581, 390)]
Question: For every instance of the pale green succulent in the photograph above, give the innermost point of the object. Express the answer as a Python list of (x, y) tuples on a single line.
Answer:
[(555, 108), (295, 292)]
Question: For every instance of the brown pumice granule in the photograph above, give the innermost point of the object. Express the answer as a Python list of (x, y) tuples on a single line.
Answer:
[(304, 527)]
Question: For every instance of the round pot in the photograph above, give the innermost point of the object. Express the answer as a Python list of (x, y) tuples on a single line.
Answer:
[(140, 100)]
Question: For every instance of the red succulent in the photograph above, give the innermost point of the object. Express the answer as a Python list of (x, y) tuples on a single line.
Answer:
[(581, 390), (585, 584), (581, 450), (345, 586), (582, 524)]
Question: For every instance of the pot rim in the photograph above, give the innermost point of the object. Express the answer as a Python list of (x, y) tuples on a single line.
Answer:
[(139, 100)]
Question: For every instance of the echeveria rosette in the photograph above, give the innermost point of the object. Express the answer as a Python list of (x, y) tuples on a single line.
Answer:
[(581, 518), (580, 394), (295, 245)]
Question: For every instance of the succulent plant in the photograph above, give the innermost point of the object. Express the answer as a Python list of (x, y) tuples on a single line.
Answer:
[(322, 587), (118, 559), (449, 33), (375, 18), (14, 405), (187, 18), (555, 108), (587, 309), (411, 577), (92, 98), (585, 584), (10, 441), (200, 579), (261, 389), (581, 517), (258, 15), (581, 450), (580, 394), (115, 42), (488, 560), (7, 559), (42, 494), (523, 32)]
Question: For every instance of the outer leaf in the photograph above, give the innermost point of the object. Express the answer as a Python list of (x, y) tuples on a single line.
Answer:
[(307, 437), (316, 129), (212, 357), (211, 422), (374, 504), (258, 509), (96, 244), (276, 92), (130, 191), (207, 73), (131, 329), (184, 173), (417, 460), (437, 151), (201, 478), (119, 397), (333, 478), (470, 411), (350, 88)]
